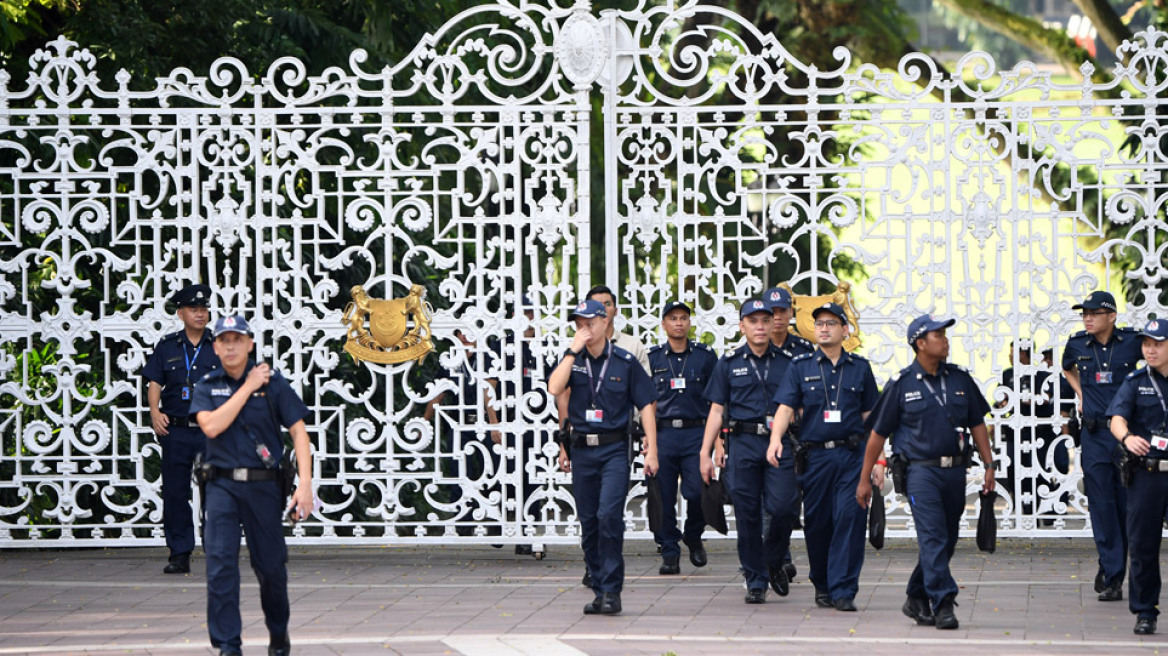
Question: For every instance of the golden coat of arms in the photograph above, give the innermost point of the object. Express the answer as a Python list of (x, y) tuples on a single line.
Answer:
[(805, 305), (389, 337)]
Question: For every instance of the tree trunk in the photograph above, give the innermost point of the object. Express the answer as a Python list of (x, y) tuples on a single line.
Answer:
[(1111, 28)]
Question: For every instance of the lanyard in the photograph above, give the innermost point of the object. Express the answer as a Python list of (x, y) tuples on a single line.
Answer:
[(191, 359), (839, 388), (755, 367), (1159, 395), (940, 399), (672, 373), (1098, 362), (594, 390)]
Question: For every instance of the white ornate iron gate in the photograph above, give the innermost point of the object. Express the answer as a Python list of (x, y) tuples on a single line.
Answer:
[(1000, 197)]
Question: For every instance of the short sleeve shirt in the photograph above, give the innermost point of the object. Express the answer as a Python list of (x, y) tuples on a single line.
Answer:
[(814, 384), (922, 412), (177, 366), (745, 384), (1142, 400), (614, 384), (680, 379), (1102, 367)]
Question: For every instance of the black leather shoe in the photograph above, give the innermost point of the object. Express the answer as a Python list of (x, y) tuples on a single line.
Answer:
[(1145, 626), (669, 565), (1100, 582), (919, 610), (697, 555), (845, 604), (610, 604), (756, 596), (179, 564), (945, 618), (280, 647), (523, 550), (1111, 593), (823, 599), (587, 580), (593, 607), (779, 582), (228, 651), (790, 571)]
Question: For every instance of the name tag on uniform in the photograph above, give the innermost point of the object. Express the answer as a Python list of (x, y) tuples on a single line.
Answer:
[(1103, 377), (676, 383), (1160, 442), (594, 416), (770, 422), (185, 394), (831, 416)]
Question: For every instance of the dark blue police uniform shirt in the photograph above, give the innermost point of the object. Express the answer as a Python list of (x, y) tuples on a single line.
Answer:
[(167, 366), (1117, 357), (236, 446), (624, 386), (745, 384), (1137, 402), (695, 365), (814, 384), (912, 415)]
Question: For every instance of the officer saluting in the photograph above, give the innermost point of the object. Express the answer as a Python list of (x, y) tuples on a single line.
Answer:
[(681, 369), (179, 360), (605, 384), (928, 409), (1139, 420), (835, 391), (740, 392), (241, 408), (1096, 360)]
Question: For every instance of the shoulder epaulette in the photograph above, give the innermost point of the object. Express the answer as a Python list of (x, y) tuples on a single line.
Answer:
[(211, 375), (173, 335), (858, 357), (655, 348), (1081, 333), (1137, 372), (956, 367), (702, 346), (802, 356)]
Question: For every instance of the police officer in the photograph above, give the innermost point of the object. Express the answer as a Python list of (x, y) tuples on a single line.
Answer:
[(740, 393), (241, 408), (604, 384), (929, 409), (1139, 420), (178, 361), (1095, 361), (790, 346), (681, 369), (835, 391)]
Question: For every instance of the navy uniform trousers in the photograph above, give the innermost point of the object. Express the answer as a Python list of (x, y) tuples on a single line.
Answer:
[(1147, 500), (600, 484), (179, 447), (257, 507), (678, 454), (937, 498), (1107, 502), (833, 523), (756, 486)]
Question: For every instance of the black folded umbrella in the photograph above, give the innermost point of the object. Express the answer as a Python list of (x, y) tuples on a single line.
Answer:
[(987, 523), (876, 519), (653, 507), (712, 508)]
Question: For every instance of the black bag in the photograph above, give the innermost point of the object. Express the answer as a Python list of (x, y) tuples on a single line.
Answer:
[(876, 521), (712, 506), (987, 523), (654, 509)]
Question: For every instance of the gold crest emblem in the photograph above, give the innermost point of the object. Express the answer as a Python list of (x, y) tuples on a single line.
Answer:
[(389, 338), (805, 305)]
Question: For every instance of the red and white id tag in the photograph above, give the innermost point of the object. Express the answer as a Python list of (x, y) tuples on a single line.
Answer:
[(1159, 442), (1103, 377), (594, 416), (676, 383), (831, 416)]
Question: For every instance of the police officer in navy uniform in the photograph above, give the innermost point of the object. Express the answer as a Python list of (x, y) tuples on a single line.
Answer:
[(176, 364), (1139, 421), (930, 409), (1095, 362), (740, 394), (605, 383), (790, 346), (835, 390), (241, 408), (681, 369)]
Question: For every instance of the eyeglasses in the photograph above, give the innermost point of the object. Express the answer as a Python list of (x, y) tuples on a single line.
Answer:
[(1094, 313), (827, 324)]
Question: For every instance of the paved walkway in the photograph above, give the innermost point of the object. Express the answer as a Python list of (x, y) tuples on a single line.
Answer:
[(1029, 597)]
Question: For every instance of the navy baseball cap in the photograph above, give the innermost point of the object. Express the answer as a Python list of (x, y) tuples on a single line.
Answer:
[(777, 297), (192, 296), (926, 323), (1157, 329), (231, 324), (675, 305), (752, 306), (588, 309), (1099, 300), (833, 308)]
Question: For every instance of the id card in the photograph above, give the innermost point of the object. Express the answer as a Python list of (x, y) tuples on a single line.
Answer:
[(831, 416), (1103, 377), (1160, 442), (676, 383), (593, 416), (770, 422), (185, 394)]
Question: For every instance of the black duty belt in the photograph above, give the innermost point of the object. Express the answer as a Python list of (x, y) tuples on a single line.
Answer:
[(1155, 465), (596, 439), (1095, 424), (749, 428), (181, 422), (245, 474), (944, 462), (680, 423), (847, 443)]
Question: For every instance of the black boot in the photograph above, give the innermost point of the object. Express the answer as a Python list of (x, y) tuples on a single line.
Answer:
[(945, 617), (670, 565), (919, 610), (179, 564)]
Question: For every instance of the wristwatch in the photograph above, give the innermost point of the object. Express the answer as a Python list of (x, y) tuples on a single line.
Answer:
[(572, 353)]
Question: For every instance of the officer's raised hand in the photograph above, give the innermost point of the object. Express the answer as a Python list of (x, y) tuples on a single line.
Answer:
[(258, 376), (582, 337)]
